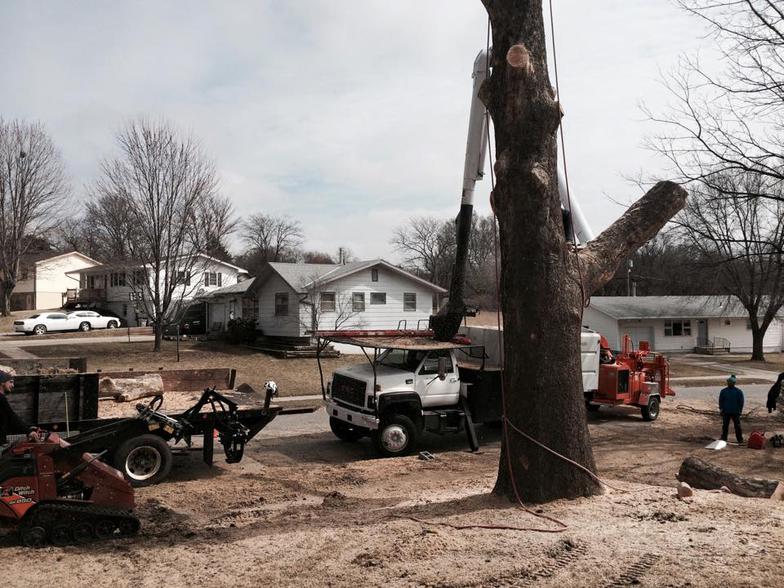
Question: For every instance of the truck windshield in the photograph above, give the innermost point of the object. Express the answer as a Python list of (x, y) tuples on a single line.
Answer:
[(402, 359)]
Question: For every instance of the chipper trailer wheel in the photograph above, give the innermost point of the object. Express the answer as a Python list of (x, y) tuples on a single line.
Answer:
[(144, 460), (396, 436), (651, 411)]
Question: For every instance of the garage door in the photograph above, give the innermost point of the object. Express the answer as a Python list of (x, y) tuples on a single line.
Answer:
[(639, 334)]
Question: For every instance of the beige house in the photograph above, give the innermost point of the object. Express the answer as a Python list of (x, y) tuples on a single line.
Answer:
[(44, 281)]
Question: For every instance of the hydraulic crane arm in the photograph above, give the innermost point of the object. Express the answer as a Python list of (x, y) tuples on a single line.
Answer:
[(447, 322)]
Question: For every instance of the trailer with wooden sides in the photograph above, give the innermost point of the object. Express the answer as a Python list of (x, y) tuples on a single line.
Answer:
[(141, 446)]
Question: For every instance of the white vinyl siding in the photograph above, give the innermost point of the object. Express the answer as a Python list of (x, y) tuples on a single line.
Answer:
[(278, 326), (378, 315)]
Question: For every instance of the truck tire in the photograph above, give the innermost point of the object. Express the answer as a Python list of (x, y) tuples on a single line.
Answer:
[(344, 431), (396, 435), (651, 411), (144, 460)]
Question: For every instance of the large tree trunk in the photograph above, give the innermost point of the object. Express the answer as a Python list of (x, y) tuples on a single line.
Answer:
[(542, 286), (5, 298), (757, 350), (158, 330)]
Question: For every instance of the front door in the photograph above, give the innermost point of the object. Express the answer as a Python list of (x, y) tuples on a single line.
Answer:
[(702, 332), (431, 390)]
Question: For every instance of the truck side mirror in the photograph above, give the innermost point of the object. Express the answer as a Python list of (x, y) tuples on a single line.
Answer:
[(442, 368)]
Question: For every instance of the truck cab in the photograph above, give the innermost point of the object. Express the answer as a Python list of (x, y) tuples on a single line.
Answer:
[(397, 395)]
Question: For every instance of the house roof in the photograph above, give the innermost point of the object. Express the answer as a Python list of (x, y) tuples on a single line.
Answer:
[(669, 307), (228, 291), (107, 267), (42, 256), (300, 276)]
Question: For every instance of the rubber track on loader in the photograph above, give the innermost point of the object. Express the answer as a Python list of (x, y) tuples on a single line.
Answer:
[(66, 524)]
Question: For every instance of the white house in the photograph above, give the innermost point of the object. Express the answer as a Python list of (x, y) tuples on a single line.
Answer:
[(46, 278), (677, 323), (119, 288), (293, 299), (229, 302)]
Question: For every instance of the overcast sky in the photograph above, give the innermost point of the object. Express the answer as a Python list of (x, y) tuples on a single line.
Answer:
[(348, 115)]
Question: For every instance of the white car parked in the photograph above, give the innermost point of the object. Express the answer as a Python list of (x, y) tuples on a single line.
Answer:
[(82, 320)]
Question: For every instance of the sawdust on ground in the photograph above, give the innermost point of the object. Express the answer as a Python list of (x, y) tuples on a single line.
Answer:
[(310, 510)]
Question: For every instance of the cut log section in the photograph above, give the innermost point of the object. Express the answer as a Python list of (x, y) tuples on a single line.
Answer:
[(699, 473), (128, 389)]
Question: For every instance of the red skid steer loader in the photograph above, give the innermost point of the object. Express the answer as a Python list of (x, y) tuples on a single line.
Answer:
[(53, 493)]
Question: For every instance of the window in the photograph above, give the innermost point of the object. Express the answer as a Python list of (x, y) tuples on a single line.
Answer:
[(409, 302), (183, 278), (677, 328), (430, 365), (748, 324), (378, 298), (374, 275), (327, 302), (117, 279), (213, 279), (138, 277), (282, 304), (125, 310), (358, 301)]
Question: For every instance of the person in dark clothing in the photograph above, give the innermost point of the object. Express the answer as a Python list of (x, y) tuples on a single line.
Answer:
[(10, 423), (775, 392), (731, 407)]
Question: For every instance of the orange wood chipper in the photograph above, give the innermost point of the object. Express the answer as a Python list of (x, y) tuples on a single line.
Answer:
[(637, 377)]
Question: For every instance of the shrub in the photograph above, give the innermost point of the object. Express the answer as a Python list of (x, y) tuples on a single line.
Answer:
[(240, 330)]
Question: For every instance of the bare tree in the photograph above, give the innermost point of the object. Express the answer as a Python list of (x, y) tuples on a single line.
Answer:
[(216, 222), (272, 238), (427, 245), (111, 216), (331, 308), (163, 182), (32, 186), (544, 281), (316, 257), (740, 240), (729, 122)]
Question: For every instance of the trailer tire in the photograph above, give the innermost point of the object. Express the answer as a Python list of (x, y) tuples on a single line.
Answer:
[(591, 407), (144, 460), (344, 431), (651, 411), (396, 435)]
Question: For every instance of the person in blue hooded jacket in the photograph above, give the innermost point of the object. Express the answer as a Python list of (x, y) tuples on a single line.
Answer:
[(731, 407)]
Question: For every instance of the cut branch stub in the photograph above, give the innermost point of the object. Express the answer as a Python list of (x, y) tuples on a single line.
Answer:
[(518, 57)]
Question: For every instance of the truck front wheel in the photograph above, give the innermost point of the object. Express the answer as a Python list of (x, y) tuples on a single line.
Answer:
[(397, 435), (344, 431)]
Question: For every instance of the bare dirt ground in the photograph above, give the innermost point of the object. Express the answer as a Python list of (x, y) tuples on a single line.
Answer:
[(295, 377), (309, 510)]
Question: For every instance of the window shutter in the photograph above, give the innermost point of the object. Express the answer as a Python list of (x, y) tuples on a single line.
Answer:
[(220, 279), (206, 278)]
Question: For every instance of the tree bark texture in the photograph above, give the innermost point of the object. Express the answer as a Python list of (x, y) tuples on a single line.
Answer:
[(699, 473), (543, 282)]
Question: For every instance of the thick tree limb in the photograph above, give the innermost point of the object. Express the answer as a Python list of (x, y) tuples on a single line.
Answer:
[(601, 258)]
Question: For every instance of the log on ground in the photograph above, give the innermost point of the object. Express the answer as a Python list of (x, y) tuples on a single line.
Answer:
[(699, 473), (127, 389)]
